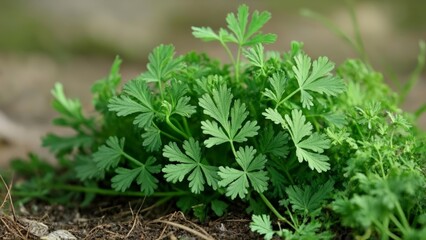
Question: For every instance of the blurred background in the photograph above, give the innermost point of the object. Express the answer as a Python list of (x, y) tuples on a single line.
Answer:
[(75, 42)]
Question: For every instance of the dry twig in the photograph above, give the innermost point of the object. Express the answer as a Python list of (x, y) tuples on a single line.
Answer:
[(201, 233)]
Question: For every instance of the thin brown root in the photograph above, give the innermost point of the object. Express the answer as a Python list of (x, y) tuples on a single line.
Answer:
[(183, 227), (195, 225), (13, 227), (8, 195)]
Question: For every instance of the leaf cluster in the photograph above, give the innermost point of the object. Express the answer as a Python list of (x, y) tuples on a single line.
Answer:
[(277, 131)]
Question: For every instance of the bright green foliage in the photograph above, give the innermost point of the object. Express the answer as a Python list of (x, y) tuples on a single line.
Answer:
[(124, 178), (70, 110), (109, 155), (137, 99), (143, 175), (274, 143), (306, 231), (308, 149), (191, 163), (60, 145), (262, 224), (316, 79), (152, 138), (161, 64), (105, 89), (311, 154), (86, 169), (308, 199), (70, 115), (243, 32), (256, 56), (219, 207), (230, 130), (278, 83), (252, 174)]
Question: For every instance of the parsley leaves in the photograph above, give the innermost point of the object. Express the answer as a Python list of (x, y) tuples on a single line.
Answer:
[(316, 79), (192, 163), (231, 128), (252, 174), (192, 128), (309, 146)]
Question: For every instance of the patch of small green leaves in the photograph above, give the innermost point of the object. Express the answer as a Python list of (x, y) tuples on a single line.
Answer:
[(316, 78), (308, 199), (262, 224), (232, 127), (252, 174), (191, 162), (309, 147), (242, 32), (332, 150), (162, 64)]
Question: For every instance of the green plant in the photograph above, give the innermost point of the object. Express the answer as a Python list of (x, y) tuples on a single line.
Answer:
[(279, 132)]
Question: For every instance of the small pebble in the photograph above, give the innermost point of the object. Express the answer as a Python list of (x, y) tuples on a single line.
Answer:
[(59, 235)]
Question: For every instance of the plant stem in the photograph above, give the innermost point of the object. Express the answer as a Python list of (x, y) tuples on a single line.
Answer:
[(160, 88), (289, 176), (185, 124), (132, 159), (110, 192), (233, 148), (170, 136), (276, 213), (385, 230), (380, 162), (172, 126), (228, 51), (397, 224), (402, 216), (237, 65), (288, 96)]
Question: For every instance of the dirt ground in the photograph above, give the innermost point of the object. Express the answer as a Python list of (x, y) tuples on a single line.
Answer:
[(123, 219)]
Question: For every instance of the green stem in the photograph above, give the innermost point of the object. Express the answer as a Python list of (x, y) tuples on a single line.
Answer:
[(366, 235), (233, 148), (385, 224), (397, 224), (185, 125), (359, 131), (285, 99), (132, 159), (177, 124), (172, 126), (385, 230), (160, 86), (276, 213), (380, 162), (402, 216), (106, 192), (289, 177), (170, 136), (237, 65), (228, 51)]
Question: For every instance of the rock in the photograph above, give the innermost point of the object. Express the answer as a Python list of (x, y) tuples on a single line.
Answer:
[(34, 227), (59, 235)]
